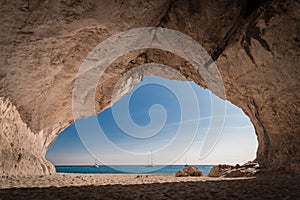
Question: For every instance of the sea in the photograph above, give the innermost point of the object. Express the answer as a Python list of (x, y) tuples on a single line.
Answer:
[(128, 169)]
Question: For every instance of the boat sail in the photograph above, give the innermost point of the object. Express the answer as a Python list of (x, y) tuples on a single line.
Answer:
[(186, 165), (151, 160), (96, 165)]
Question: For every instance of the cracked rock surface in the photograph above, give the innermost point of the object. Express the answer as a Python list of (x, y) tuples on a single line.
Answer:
[(255, 46)]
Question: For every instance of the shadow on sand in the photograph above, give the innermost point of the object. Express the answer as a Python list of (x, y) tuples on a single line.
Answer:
[(272, 187)]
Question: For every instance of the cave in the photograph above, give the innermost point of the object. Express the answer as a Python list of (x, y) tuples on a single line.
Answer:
[(146, 125), (254, 50)]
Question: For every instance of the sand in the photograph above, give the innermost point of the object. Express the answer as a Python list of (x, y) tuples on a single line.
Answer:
[(152, 186)]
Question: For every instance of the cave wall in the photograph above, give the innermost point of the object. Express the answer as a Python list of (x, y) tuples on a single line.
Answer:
[(22, 151), (256, 49), (262, 74)]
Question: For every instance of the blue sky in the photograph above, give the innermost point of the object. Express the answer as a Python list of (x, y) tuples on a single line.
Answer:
[(171, 118)]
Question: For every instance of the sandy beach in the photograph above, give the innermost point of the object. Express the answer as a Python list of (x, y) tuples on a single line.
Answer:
[(69, 179), (151, 186)]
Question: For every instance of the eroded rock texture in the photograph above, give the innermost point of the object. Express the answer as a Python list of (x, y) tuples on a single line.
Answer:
[(22, 151), (255, 45)]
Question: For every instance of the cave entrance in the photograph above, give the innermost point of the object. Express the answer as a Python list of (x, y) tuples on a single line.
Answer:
[(145, 125)]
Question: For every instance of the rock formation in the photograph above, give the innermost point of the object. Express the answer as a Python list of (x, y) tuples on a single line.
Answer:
[(255, 45), (189, 171), (218, 170), (23, 151), (246, 170)]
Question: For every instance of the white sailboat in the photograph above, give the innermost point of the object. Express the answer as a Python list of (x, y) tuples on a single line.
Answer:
[(151, 161), (96, 164), (186, 165)]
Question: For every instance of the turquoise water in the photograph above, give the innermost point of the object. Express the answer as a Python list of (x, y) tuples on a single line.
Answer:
[(124, 169)]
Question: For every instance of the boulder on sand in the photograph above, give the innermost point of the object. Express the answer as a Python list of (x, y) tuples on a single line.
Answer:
[(219, 170), (189, 171), (234, 173), (248, 169), (180, 173)]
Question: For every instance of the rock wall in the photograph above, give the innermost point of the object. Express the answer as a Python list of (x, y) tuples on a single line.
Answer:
[(262, 74), (254, 43), (22, 151)]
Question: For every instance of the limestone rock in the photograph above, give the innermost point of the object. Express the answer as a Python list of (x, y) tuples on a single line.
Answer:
[(189, 171), (234, 173), (248, 169), (43, 44), (21, 153), (180, 173), (218, 170), (270, 91)]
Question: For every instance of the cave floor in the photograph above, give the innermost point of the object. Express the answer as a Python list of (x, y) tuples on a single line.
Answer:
[(133, 186)]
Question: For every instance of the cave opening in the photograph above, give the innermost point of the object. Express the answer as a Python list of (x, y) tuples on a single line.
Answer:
[(158, 125)]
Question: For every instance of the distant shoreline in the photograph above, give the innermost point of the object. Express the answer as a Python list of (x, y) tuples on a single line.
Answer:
[(127, 165), (126, 169)]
